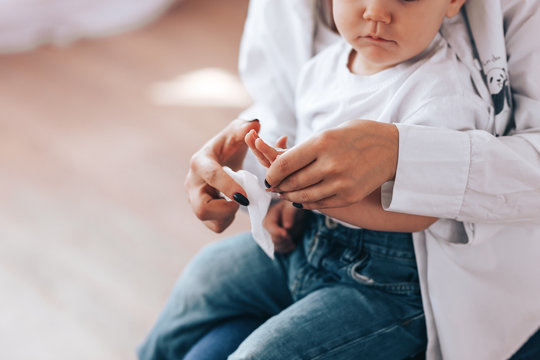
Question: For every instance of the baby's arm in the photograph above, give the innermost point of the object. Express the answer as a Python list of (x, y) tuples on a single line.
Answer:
[(367, 213)]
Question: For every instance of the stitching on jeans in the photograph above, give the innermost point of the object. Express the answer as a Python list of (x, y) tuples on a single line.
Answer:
[(398, 288), (373, 334)]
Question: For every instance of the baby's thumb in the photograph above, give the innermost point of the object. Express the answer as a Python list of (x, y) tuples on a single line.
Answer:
[(282, 142)]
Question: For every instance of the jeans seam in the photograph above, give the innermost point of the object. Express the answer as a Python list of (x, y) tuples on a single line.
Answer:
[(390, 254), (373, 334), (400, 288)]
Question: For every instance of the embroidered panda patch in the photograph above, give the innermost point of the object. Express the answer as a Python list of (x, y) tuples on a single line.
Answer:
[(497, 80)]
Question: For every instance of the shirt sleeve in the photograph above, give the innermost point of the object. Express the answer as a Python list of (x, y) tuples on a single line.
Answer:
[(276, 42), (272, 53), (473, 176)]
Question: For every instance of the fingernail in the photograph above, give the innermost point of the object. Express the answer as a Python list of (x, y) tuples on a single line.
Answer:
[(297, 205), (267, 184), (241, 199), (257, 120)]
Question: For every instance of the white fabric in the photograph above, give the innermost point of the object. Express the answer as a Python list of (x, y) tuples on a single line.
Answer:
[(259, 201), (433, 89), (25, 24), (328, 94), (497, 265), (479, 279)]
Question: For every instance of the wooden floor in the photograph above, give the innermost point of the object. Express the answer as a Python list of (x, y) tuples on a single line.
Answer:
[(95, 140)]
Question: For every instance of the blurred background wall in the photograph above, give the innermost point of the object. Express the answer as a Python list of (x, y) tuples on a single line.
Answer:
[(95, 141)]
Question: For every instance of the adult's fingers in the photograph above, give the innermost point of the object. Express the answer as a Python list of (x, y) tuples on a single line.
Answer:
[(232, 138), (220, 225), (212, 173), (312, 195), (228, 148), (206, 177), (353, 160), (289, 162), (308, 176), (207, 207), (215, 212)]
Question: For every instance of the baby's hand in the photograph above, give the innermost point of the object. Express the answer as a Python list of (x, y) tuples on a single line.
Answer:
[(285, 223), (265, 153)]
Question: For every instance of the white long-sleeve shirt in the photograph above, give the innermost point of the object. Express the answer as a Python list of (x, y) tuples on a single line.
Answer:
[(479, 267)]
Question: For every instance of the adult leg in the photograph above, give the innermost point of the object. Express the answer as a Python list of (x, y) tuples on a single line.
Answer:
[(223, 339), (226, 280), (339, 323)]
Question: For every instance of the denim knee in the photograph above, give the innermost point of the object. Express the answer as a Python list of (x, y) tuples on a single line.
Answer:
[(225, 280)]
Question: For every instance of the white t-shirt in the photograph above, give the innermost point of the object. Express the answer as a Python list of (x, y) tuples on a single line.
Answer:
[(432, 89)]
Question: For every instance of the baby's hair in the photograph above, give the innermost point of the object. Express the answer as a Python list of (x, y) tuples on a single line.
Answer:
[(324, 11)]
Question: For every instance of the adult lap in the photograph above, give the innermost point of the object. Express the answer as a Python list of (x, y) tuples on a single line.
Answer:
[(229, 279), (336, 323), (235, 271)]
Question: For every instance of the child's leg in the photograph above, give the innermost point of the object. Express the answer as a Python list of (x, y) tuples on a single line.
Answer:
[(226, 280), (358, 297)]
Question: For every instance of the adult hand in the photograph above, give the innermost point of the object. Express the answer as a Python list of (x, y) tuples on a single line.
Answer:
[(337, 167), (206, 178), (284, 223)]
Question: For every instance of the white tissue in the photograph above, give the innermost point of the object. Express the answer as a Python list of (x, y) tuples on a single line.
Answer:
[(259, 201)]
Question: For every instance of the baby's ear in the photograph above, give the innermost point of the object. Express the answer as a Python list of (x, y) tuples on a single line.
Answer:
[(454, 7)]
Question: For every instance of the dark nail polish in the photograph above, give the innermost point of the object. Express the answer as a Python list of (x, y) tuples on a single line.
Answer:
[(267, 184), (298, 205), (241, 199), (257, 120)]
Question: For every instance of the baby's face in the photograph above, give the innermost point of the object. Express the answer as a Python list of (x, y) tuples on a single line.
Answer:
[(387, 32)]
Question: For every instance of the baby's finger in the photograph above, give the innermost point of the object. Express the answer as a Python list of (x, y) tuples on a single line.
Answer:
[(268, 151), (288, 216), (282, 142), (250, 140), (275, 230), (272, 224)]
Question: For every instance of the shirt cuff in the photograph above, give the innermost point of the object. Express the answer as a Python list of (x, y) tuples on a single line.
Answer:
[(432, 172)]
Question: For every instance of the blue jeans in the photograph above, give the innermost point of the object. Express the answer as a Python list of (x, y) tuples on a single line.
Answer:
[(221, 341), (342, 294)]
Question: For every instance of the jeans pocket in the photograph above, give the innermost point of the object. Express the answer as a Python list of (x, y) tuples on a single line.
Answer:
[(392, 275)]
